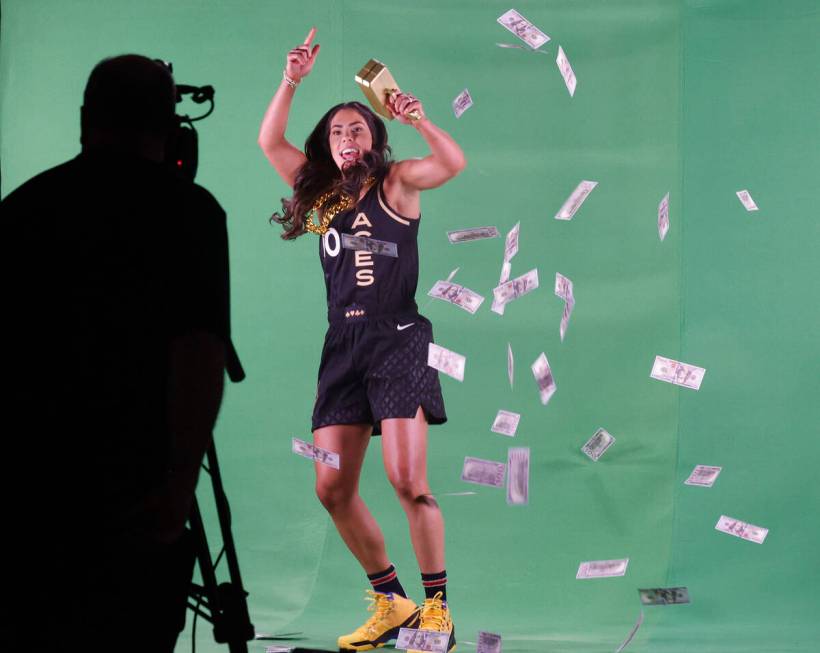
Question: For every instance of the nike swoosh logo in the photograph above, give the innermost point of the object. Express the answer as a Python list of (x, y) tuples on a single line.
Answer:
[(402, 327)]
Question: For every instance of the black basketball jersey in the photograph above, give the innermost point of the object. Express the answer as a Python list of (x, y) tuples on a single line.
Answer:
[(383, 284)]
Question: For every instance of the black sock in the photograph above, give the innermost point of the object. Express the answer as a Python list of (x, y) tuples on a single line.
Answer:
[(435, 583), (387, 581)]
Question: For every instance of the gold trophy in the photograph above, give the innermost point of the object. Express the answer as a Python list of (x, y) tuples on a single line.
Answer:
[(378, 85)]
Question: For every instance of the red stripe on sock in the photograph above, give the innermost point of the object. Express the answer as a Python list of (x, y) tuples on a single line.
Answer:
[(434, 583), (384, 579)]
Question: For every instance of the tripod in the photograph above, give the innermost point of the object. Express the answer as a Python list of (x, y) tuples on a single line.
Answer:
[(224, 605)]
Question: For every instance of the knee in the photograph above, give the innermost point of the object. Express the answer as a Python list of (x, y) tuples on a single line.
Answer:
[(410, 490), (334, 496)]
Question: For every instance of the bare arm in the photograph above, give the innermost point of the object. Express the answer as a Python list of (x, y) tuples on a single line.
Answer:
[(283, 156), (409, 177)]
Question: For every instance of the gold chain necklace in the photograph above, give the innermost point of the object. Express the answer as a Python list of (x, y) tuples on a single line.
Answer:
[(343, 204)]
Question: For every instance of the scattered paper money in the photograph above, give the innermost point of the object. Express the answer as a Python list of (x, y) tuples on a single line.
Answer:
[(565, 315), (664, 596), (311, 451), (631, 634), (746, 200), (430, 641), (452, 274), (598, 444), (517, 287), (602, 568), (523, 29), (520, 47), (458, 295), (498, 306), (575, 200), (363, 244), (663, 217), (543, 377), (462, 102), (742, 529), (703, 475), (511, 243), (510, 364), (446, 361), (505, 423), (518, 476), (488, 643), (672, 371), (563, 288), (476, 233), (566, 71), (483, 472), (278, 649), (303, 448)]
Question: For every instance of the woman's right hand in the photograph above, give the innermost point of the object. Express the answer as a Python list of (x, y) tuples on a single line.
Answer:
[(301, 59)]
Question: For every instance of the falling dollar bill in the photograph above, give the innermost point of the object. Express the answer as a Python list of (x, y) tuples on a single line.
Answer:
[(523, 29), (488, 643), (742, 529), (631, 634), (303, 448), (565, 315), (598, 444), (664, 596), (566, 71), (462, 102), (511, 243), (663, 217), (363, 244), (563, 288), (458, 295), (517, 287), (311, 451), (505, 423), (510, 364), (602, 568), (278, 649), (430, 641), (518, 476), (483, 472), (452, 274), (476, 233), (498, 306), (703, 475), (446, 361), (672, 371), (575, 200), (746, 199), (543, 377)]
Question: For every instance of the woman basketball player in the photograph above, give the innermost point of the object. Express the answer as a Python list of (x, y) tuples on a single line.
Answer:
[(373, 375)]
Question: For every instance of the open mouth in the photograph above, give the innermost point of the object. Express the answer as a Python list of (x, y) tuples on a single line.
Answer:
[(350, 154)]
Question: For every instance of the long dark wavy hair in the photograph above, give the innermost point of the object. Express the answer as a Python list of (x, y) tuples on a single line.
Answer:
[(319, 174)]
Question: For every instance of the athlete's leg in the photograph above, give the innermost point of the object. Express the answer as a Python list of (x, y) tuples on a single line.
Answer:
[(404, 448), (338, 490)]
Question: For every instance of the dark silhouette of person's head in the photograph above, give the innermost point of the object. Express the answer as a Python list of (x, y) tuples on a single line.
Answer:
[(128, 105)]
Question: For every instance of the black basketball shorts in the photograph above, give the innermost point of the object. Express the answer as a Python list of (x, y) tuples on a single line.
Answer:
[(376, 368)]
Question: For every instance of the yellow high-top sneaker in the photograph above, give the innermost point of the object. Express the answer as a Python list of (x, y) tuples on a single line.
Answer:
[(390, 613), (435, 615)]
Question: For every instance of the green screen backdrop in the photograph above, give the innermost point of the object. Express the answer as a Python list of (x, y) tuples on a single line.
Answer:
[(697, 98)]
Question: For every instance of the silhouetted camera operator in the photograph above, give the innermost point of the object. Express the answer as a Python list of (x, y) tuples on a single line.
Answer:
[(117, 327)]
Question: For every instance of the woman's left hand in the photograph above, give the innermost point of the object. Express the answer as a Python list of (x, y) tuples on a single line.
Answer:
[(402, 105)]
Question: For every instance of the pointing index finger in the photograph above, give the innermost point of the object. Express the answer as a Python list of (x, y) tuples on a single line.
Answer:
[(310, 36)]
